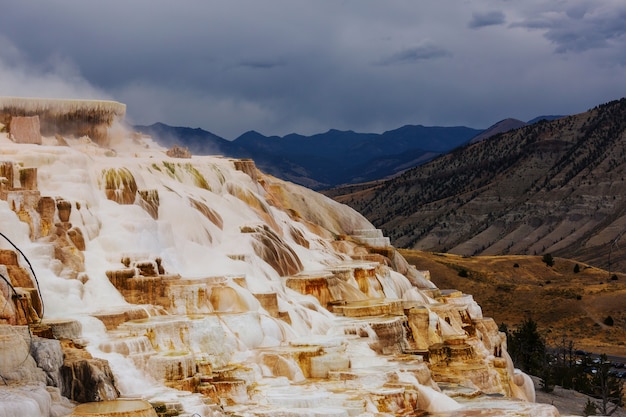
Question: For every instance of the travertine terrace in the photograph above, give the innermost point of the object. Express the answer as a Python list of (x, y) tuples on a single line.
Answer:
[(207, 288), (63, 117)]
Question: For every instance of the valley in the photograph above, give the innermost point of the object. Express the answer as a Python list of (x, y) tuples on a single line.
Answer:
[(555, 187), (565, 304)]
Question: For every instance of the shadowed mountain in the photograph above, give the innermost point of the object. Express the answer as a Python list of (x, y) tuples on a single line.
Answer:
[(326, 159), (551, 187), (546, 117), (508, 125), (500, 127)]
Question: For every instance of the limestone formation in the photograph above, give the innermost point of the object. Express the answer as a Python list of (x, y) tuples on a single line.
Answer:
[(25, 129), (60, 116), (120, 185), (221, 295), (85, 378), (178, 152), (248, 166), (273, 250)]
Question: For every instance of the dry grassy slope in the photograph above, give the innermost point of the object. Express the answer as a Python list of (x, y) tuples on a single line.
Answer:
[(553, 187), (549, 295)]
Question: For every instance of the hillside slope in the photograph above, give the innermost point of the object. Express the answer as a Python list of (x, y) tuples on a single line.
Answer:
[(512, 288), (553, 187)]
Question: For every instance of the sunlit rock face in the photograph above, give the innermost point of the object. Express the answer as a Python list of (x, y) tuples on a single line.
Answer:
[(25, 129), (207, 288)]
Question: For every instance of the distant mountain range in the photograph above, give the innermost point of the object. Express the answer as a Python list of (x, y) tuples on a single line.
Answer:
[(333, 158), (326, 159), (555, 187)]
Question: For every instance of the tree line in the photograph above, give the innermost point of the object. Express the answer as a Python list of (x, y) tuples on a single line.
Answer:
[(565, 366)]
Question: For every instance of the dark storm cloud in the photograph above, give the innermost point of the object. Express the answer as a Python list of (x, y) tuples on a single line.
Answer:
[(480, 20), (581, 27), (280, 66)]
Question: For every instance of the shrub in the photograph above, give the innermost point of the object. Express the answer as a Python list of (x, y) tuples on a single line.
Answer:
[(515, 265), (548, 259), (463, 273), (590, 408), (608, 321), (576, 269)]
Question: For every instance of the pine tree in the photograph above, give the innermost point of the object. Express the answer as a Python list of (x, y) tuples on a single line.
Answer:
[(527, 348), (607, 388), (548, 259)]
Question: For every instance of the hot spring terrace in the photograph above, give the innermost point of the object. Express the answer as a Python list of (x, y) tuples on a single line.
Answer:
[(363, 334)]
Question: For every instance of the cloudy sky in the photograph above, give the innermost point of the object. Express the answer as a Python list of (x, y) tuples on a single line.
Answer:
[(305, 66)]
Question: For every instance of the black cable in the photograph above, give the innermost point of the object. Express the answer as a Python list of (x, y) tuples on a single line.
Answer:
[(30, 346), (26, 316), (31, 270)]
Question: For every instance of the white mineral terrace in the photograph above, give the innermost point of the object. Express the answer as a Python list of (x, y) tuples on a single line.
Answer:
[(214, 292)]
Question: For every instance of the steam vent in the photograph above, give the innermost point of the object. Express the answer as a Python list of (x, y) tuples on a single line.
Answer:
[(29, 118), (143, 282)]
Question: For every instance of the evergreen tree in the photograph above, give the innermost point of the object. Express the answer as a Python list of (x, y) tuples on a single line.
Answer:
[(527, 348), (548, 259), (607, 388), (590, 408)]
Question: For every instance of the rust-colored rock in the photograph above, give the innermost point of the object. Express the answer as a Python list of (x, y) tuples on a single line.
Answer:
[(273, 250), (208, 212), (77, 238), (120, 185), (46, 210), (86, 379), (8, 257), (64, 208), (6, 171), (178, 152), (247, 166), (25, 129), (65, 250), (269, 301), (28, 178), (150, 202), (316, 286)]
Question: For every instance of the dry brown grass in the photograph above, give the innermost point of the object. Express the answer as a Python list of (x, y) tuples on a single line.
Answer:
[(564, 304)]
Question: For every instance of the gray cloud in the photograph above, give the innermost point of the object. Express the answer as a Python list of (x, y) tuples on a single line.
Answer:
[(416, 53), (480, 20), (54, 77), (260, 64), (580, 27), (279, 66)]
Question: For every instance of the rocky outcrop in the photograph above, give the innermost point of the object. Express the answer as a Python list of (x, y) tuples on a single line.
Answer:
[(84, 377), (25, 129), (178, 152), (58, 116)]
